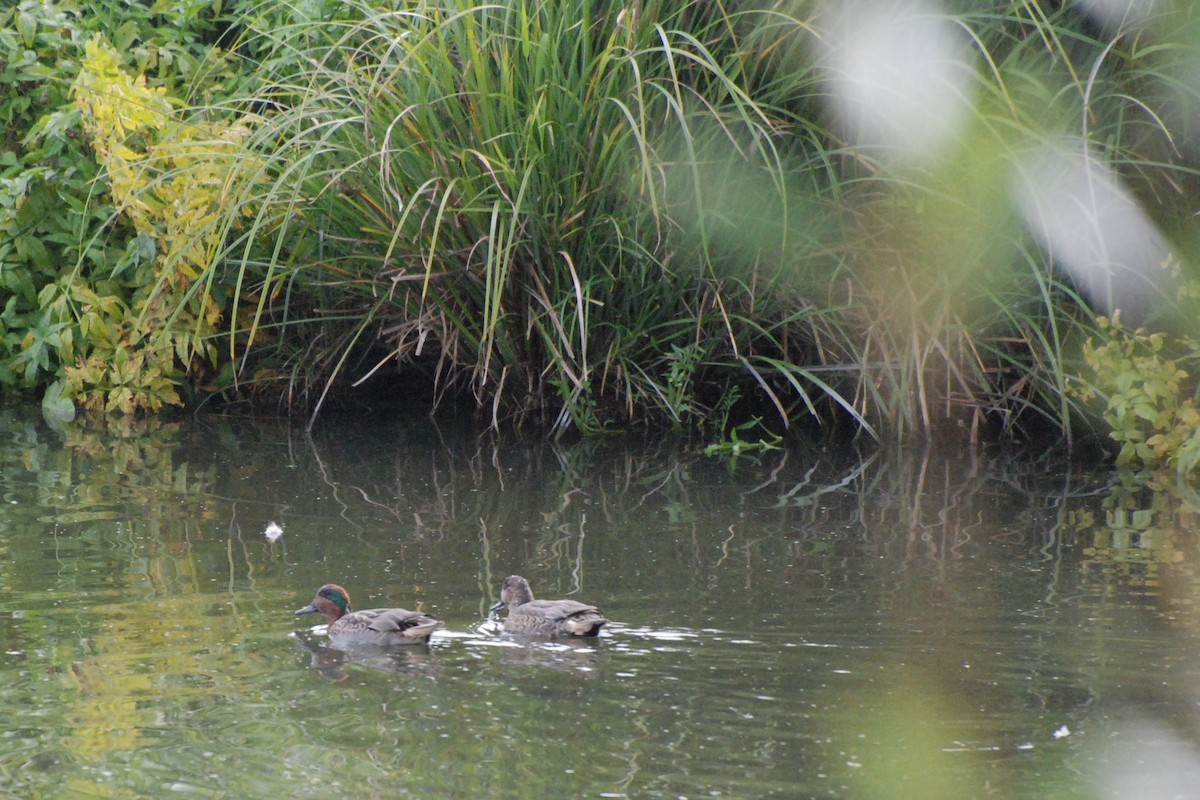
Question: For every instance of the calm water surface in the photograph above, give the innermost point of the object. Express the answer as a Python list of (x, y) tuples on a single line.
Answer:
[(808, 623)]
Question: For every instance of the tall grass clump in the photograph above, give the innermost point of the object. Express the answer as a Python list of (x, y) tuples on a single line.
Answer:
[(573, 211)]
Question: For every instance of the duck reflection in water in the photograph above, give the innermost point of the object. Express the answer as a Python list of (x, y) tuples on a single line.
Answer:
[(330, 662)]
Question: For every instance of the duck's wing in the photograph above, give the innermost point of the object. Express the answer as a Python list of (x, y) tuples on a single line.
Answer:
[(567, 616), (556, 609), (399, 620)]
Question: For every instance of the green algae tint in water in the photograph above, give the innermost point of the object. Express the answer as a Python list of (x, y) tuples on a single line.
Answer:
[(792, 626)]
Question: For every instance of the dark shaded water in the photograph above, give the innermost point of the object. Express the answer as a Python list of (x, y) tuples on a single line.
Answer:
[(797, 624)]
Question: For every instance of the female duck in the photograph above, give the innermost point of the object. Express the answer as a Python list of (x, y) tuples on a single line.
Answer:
[(545, 617), (379, 627)]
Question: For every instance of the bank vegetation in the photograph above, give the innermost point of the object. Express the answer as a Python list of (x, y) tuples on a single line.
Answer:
[(735, 219)]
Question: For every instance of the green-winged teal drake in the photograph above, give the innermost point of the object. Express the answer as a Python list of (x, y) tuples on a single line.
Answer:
[(380, 627), (545, 617)]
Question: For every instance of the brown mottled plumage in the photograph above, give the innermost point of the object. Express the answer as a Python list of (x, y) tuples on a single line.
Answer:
[(381, 627), (545, 617)]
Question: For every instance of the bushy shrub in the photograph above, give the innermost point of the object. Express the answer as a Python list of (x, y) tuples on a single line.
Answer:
[(71, 264)]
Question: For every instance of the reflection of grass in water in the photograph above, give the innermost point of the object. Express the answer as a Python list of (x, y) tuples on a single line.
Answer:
[(907, 737), (765, 549), (143, 453), (903, 747)]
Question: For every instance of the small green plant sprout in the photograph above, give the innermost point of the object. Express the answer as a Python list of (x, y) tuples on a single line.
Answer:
[(678, 392), (735, 445)]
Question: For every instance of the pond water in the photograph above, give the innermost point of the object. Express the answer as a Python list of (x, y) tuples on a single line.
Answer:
[(801, 623)]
